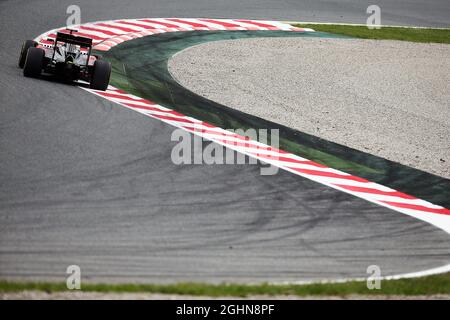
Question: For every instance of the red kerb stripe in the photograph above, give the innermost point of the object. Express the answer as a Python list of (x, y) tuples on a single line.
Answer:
[(376, 191), (418, 207)]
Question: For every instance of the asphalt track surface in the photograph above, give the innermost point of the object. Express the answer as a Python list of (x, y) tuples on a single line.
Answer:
[(86, 182)]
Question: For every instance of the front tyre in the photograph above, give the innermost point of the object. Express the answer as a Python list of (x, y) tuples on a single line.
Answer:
[(100, 75), (23, 52), (34, 62)]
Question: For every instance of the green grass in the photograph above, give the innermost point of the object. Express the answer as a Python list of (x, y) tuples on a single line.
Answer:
[(431, 285), (385, 33)]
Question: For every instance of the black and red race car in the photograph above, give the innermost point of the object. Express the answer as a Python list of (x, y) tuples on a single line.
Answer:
[(68, 56)]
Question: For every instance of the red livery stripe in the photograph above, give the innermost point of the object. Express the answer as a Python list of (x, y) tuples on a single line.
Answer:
[(190, 23), (152, 109), (118, 96), (172, 118), (136, 24), (222, 23), (116, 27), (168, 25), (260, 24), (99, 30)]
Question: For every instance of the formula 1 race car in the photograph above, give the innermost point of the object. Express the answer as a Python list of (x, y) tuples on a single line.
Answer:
[(68, 56)]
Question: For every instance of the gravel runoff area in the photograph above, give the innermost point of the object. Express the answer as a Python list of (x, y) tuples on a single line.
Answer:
[(387, 98)]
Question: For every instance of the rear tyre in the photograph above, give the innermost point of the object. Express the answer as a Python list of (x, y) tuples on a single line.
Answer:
[(23, 52), (100, 75), (34, 62)]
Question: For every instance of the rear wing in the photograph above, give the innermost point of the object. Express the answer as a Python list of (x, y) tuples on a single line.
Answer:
[(72, 39)]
